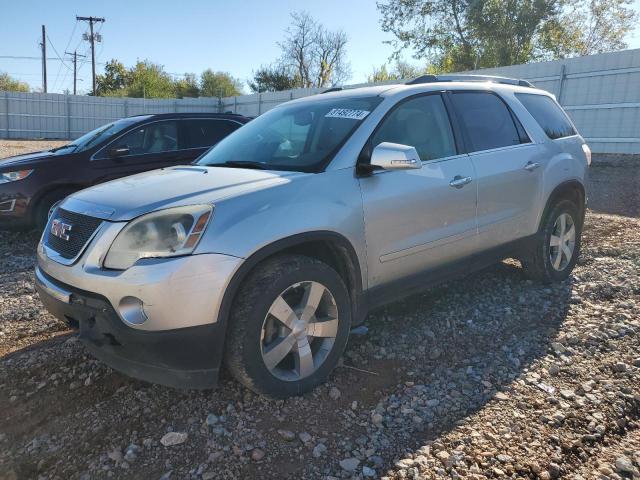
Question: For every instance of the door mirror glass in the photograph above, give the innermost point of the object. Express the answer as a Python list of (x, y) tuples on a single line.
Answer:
[(395, 156), (119, 151)]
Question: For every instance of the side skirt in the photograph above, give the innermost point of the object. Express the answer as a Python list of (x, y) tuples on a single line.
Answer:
[(399, 289)]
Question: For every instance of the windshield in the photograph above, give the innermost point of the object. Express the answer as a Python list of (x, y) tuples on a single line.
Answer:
[(299, 137), (97, 136)]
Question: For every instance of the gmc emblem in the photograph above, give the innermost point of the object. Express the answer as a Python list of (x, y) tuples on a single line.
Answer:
[(60, 229)]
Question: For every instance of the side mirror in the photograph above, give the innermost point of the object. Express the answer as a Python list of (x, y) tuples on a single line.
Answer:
[(395, 156), (116, 152)]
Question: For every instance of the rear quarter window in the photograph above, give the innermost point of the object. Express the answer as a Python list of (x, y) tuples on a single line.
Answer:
[(548, 114)]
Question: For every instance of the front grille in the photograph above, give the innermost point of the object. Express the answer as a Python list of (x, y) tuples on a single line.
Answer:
[(82, 228)]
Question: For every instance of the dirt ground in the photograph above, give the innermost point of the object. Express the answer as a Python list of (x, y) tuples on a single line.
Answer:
[(488, 376)]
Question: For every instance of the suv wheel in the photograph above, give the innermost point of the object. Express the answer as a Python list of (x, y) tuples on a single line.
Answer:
[(288, 326), (558, 244)]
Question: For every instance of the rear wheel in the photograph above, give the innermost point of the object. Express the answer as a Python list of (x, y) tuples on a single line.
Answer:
[(288, 326), (558, 244)]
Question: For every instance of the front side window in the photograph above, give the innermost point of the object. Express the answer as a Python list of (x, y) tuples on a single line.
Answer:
[(486, 120), (203, 133), (297, 137), (422, 123), (548, 114), (154, 137)]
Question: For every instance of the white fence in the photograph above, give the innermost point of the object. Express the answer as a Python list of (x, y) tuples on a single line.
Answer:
[(37, 115), (600, 92)]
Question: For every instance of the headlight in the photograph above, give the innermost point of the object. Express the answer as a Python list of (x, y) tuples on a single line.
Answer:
[(7, 177), (165, 233)]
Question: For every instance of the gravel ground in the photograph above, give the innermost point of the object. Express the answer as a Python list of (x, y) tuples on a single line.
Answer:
[(489, 376)]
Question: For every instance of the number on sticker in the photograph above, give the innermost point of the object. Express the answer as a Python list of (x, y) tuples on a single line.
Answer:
[(347, 113)]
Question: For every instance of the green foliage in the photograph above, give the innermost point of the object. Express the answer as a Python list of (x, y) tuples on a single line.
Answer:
[(187, 86), (273, 78), (219, 84), (113, 80), (149, 80), (457, 35), (10, 84), (401, 71), (585, 28)]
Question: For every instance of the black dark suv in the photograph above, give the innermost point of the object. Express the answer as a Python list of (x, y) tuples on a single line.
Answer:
[(30, 184)]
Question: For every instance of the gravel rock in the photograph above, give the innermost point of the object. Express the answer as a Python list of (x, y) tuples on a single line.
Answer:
[(349, 464), (334, 393), (174, 438), (287, 435)]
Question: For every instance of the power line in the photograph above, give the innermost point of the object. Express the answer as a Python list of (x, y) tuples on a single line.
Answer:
[(24, 57), (62, 62)]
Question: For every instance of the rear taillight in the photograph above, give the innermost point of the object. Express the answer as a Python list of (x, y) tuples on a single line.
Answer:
[(587, 153)]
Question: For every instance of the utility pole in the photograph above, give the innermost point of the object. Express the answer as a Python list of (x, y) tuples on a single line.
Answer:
[(75, 68), (92, 39), (44, 60)]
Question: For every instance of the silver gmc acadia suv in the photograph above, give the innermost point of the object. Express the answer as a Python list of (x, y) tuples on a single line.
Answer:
[(265, 252)]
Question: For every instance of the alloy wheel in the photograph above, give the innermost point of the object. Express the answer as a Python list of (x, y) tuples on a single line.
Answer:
[(562, 242), (299, 331)]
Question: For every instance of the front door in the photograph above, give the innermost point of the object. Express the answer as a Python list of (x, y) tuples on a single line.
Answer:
[(424, 218)]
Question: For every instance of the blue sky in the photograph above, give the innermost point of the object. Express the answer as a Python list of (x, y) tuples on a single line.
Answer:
[(188, 36)]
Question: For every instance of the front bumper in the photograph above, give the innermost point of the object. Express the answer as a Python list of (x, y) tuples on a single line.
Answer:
[(176, 292), (181, 358)]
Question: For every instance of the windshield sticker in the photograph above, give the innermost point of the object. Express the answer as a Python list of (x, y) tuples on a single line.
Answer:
[(347, 113)]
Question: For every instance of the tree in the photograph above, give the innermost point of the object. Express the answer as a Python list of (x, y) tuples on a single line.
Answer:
[(114, 79), (401, 71), (149, 80), (10, 84), (187, 86), (466, 34), (585, 28), (461, 35), (219, 84), (313, 55), (273, 78)]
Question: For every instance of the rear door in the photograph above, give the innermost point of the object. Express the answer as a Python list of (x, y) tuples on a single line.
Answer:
[(417, 219), (201, 133), (145, 147), (508, 166)]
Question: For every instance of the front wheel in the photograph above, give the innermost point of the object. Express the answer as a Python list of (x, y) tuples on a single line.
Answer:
[(288, 326), (558, 246)]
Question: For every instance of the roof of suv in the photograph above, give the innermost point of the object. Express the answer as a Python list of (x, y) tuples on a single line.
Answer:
[(231, 116), (387, 90)]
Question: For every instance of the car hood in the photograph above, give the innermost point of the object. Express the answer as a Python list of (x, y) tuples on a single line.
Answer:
[(133, 196), (26, 160)]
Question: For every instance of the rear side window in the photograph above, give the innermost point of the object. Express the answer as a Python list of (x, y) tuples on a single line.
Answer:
[(206, 132), (487, 120), (548, 114)]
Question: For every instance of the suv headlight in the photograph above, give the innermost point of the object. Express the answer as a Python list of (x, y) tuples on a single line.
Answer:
[(7, 177), (165, 233)]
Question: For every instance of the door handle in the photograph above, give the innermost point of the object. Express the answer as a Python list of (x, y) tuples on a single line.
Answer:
[(531, 166), (459, 182)]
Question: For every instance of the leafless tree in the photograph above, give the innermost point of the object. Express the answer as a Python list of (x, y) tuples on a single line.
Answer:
[(315, 55)]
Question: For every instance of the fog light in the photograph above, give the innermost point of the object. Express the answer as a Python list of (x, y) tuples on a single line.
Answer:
[(132, 310)]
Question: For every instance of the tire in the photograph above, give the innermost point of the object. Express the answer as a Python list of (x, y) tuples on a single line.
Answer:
[(542, 265), (41, 212), (254, 330)]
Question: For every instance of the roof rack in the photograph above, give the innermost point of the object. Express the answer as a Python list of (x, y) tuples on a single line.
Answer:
[(469, 78), (333, 89)]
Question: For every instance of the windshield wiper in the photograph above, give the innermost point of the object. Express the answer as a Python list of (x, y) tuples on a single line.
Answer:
[(64, 146), (240, 164)]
